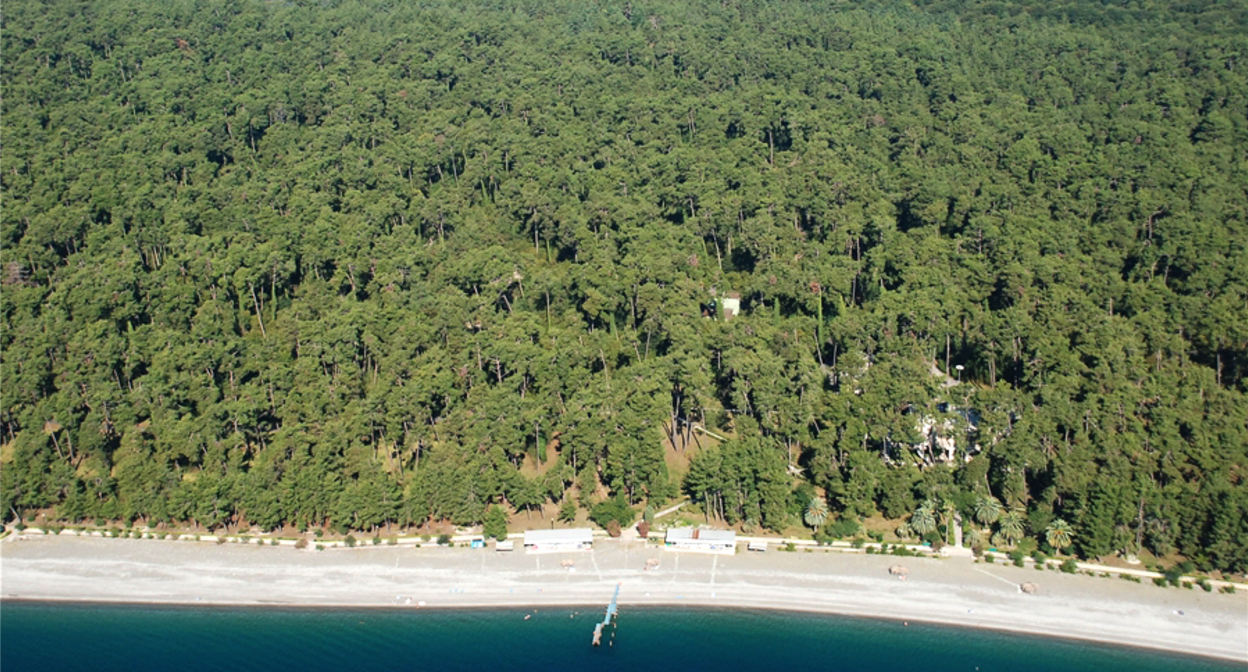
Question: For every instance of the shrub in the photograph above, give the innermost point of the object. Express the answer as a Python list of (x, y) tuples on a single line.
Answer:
[(643, 528), (1017, 557), (616, 509), (444, 540), (876, 535), (871, 550), (273, 542), (392, 541), (613, 528), (376, 540), (220, 540), (843, 527), (1160, 581), (990, 558), (318, 532), (1174, 575), (1228, 589), (567, 511), (350, 541), (19, 527), (301, 544), (320, 547), (859, 543), (790, 547), (1069, 566), (495, 523)]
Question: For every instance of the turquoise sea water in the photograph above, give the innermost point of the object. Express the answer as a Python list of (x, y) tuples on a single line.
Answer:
[(42, 636)]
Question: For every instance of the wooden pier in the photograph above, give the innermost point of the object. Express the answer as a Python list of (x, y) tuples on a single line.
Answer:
[(608, 620)]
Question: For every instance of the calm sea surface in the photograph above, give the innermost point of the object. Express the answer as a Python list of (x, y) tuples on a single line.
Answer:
[(42, 636)]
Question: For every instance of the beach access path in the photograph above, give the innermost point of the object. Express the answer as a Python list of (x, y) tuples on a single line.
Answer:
[(953, 591)]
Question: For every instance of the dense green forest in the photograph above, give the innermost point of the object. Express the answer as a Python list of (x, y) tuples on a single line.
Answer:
[(361, 263)]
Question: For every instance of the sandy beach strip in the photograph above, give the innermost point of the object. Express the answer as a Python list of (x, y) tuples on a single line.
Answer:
[(953, 591)]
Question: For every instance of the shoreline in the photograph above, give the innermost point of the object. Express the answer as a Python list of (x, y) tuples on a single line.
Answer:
[(942, 592)]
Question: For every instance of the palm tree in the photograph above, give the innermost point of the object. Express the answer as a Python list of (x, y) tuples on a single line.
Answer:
[(949, 514), (924, 519), (987, 509), (816, 513), (1059, 534), (1011, 526)]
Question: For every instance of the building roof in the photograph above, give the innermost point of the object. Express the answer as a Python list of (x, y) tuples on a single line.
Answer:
[(575, 535), (709, 536)]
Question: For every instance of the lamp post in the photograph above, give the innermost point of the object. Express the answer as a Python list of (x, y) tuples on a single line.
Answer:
[(959, 368)]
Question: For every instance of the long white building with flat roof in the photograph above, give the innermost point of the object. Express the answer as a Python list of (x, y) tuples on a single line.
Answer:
[(558, 541), (696, 540)]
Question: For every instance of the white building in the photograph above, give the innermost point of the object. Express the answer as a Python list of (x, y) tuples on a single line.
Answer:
[(723, 542), (558, 541)]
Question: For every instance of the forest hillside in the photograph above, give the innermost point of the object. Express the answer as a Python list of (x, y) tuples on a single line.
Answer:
[(361, 263)]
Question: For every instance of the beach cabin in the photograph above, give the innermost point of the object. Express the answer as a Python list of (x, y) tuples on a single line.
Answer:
[(558, 541), (759, 546), (508, 545), (695, 540)]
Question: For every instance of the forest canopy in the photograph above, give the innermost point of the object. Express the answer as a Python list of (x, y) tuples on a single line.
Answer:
[(363, 263)]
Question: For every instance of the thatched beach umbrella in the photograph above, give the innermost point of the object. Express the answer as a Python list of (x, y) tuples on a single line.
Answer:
[(899, 570), (1029, 588)]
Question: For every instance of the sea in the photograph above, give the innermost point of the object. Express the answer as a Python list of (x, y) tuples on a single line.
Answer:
[(38, 636)]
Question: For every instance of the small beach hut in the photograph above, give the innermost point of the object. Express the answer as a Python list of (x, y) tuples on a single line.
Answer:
[(759, 546), (508, 545), (558, 541), (696, 540)]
